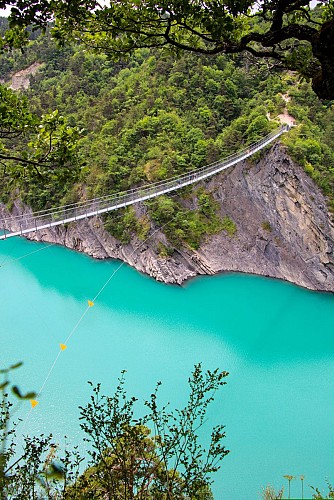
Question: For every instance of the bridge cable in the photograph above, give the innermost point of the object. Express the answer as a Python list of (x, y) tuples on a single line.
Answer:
[(69, 213)]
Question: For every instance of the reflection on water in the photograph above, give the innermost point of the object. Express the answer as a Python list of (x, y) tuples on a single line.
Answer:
[(275, 339)]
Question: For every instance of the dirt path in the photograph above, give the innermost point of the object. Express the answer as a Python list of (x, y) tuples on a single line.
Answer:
[(284, 117)]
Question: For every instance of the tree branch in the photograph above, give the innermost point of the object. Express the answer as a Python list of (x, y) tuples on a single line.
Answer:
[(24, 161)]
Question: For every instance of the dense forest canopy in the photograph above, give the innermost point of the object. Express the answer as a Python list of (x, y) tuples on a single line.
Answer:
[(287, 32), (122, 124)]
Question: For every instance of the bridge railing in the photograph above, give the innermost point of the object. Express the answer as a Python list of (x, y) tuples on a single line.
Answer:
[(30, 222)]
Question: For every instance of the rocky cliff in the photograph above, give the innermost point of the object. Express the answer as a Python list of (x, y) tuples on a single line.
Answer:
[(283, 230)]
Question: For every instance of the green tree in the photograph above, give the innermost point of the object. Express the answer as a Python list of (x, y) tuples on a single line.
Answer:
[(286, 31), (39, 153), (47, 142), (126, 461)]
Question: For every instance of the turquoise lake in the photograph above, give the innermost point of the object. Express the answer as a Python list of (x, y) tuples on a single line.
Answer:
[(276, 340)]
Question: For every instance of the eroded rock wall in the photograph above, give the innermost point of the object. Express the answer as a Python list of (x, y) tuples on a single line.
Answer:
[(283, 230)]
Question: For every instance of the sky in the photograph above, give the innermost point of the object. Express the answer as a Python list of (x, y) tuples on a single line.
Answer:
[(5, 12)]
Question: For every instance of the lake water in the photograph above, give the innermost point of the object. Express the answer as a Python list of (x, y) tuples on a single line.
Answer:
[(275, 339)]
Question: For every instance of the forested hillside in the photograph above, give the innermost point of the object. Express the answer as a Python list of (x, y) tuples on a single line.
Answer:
[(92, 123), (155, 116)]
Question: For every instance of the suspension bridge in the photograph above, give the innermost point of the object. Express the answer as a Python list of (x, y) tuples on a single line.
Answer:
[(18, 225)]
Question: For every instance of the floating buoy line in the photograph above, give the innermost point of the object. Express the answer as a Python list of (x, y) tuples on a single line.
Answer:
[(158, 189), (89, 305)]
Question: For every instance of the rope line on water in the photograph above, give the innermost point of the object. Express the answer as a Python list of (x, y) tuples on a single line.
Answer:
[(92, 302), (8, 262), (35, 402)]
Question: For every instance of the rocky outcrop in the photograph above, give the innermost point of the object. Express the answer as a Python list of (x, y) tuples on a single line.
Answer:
[(283, 230), (21, 79)]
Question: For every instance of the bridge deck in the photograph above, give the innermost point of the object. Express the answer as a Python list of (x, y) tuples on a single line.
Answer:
[(28, 223)]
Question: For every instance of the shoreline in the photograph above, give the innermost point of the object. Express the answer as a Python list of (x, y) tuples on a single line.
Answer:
[(284, 230)]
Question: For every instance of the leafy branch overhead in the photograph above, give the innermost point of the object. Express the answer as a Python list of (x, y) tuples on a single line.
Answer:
[(286, 31), (40, 144)]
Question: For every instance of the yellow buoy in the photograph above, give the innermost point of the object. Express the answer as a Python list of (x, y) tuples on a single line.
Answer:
[(90, 303), (33, 402), (63, 347)]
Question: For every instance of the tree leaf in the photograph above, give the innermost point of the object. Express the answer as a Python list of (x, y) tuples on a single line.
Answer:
[(17, 392), (16, 365), (29, 395)]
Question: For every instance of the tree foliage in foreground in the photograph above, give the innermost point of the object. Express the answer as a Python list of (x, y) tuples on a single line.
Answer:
[(156, 116), (30, 144), (288, 32), (156, 456), (33, 144), (32, 471)]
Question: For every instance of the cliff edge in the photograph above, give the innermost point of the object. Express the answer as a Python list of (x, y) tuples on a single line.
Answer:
[(284, 229)]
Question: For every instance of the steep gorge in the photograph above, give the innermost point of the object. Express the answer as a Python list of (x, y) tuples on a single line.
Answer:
[(284, 230)]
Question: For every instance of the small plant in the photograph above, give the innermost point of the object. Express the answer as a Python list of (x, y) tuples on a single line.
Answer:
[(143, 227), (207, 205), (289, 479), (309, 169), (269, 493), (164, 251), (319, 496), (266, 226), (228, 225)]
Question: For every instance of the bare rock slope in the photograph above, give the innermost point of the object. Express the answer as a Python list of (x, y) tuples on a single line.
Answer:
[(21, 79), (283, 230)]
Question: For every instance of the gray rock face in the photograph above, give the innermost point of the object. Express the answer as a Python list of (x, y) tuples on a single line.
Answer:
[(283, 230)]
